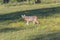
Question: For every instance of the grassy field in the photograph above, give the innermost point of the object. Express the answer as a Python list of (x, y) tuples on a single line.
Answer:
[(12, 26)]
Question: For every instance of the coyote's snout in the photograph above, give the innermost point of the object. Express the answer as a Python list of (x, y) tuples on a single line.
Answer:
[(34, 19)]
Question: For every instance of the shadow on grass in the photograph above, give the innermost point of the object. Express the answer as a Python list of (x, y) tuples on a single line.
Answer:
[(4, 30), (51, 36), (12, 29), (41, 13)]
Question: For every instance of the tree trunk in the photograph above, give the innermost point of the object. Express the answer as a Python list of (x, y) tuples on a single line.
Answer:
[(37, 1)]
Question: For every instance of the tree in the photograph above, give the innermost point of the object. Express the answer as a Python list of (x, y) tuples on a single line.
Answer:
[(37, 1), (5, 1)]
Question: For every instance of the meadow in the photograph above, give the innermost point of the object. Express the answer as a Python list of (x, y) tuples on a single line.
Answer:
[(12, 26)]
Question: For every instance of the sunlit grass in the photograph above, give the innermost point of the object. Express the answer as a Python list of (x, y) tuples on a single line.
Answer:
[(48, 27), (8, 9)]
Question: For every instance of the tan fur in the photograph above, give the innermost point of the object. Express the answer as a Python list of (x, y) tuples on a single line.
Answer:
[(34, 19)]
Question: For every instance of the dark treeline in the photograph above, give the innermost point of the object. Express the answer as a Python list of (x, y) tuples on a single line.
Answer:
[(35, 1), (29, 1)]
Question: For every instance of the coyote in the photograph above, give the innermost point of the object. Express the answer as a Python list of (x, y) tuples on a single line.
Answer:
[(34, 19)]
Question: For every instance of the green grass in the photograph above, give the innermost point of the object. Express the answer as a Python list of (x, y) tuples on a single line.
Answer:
[(12, 27)]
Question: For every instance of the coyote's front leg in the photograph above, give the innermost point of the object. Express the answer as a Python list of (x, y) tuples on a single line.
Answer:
[(27, 23)]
